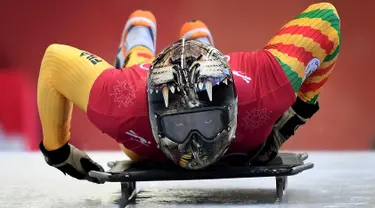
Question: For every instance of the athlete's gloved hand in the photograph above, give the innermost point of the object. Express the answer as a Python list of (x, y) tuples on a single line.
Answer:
[(71, 161), (284, 128)]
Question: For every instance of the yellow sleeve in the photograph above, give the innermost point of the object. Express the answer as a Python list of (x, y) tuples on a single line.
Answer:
[(65, 78)]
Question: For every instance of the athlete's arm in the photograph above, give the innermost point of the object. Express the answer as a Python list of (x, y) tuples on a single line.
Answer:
[(66, 77), (306, 48), (312, 37)]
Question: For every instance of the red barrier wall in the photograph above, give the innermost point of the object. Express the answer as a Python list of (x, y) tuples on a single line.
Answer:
[(18, 108), (344, 122)]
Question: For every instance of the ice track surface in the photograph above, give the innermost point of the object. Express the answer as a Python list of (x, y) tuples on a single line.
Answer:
[(339, 179)]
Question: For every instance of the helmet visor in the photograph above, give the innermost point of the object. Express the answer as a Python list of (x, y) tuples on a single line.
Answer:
[(178, 127)]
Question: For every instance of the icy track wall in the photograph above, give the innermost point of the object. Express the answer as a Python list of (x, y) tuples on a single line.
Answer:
[(345, 120)]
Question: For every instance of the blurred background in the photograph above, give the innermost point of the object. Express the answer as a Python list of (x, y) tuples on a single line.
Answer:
[(346, 118)]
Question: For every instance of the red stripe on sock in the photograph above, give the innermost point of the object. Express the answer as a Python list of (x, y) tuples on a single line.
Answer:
[(322, 71), (293, 51), (312, 86), (309, 32), (144, 55)]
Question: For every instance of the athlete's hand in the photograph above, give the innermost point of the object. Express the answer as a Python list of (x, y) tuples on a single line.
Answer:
[(71, 161), (284, 128), (270, 149)]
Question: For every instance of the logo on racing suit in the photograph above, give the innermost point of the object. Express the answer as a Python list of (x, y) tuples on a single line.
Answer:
[(311, 67), (135, 137), (242, 75), (238, 73), (255, 118), (145, 66), (91, 57)]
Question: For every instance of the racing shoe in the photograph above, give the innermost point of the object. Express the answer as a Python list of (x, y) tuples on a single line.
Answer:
[(196, 29), (139, 30)]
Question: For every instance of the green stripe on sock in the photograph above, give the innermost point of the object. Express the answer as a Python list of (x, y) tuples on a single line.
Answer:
[(313, 100), (324, 14), (292, 75), (334, 54)]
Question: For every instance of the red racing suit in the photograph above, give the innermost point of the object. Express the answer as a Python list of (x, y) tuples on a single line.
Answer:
[(118, 103)]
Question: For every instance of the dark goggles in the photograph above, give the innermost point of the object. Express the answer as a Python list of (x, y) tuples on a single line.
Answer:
[(207, 123)]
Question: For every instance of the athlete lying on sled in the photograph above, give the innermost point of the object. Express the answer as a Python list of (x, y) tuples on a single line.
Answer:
[(190, 104)]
